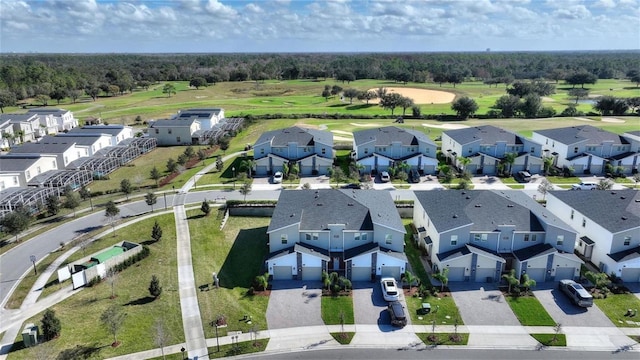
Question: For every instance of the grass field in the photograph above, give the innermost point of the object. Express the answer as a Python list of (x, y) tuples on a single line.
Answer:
[(337, 310), (615, 307), (81, 328), (529, 311)]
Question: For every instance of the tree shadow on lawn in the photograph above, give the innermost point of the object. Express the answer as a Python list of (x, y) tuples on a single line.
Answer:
[(360, 106), (339, 105), (245, 259), (80, 352), (141, 301)]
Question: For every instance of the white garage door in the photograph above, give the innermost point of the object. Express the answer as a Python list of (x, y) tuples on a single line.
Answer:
[(456, 274), (536, 274), (391, 271), (282, 273), (361, 273), (484, 273), (311, 273), (630, 275), (261, 170), (564, 273), (306, 170)]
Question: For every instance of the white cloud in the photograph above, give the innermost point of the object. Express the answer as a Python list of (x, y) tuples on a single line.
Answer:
[(572, 12), (605, 4), (216, 8)]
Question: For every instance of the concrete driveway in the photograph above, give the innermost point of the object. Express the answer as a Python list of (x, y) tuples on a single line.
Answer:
[(563, 311), (369, 306), (263, 183), (482, 304), (294, 304)]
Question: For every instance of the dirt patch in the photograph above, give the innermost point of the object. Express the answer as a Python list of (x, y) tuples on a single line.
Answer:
[(420, 96)]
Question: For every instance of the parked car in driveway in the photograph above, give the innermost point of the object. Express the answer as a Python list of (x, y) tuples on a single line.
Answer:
[(397, 314), (584, 186), (277, 177), (523, 176), (576, 292), (384, 177), (414, 176), (389, 289)]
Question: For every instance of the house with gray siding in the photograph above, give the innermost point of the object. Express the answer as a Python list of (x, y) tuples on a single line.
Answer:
[(310, 149), (356, 233), (63, 119), (588, 149), (608, 227), (486, 147), (480, 234), (378, 149)]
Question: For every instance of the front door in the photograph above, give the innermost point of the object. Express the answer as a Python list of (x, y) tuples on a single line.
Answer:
[(336, 263)]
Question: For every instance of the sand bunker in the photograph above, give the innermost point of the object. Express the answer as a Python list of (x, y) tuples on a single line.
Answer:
[(612, 120), (447, 126), (583, 119), (366, 125), (420, 96), (342, 132)]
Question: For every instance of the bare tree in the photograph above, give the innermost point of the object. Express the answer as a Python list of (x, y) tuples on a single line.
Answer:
[(544, 187), (112, 279), (161, 337), (112, 319)]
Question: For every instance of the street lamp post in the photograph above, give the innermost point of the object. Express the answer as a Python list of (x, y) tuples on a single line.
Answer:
[(33, 260), (165, 200), (217, 340), (234, 176)]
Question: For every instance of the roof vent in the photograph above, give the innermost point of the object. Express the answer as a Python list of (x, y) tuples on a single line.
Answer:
[(319, 204), (455, 216), (510, 205), (292, 215), (468, 197), (622, 197), (464, 192), (624, 218), (478, 205), (350, 204)]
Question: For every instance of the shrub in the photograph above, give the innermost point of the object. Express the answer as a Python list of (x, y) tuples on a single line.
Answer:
[(50, 325)]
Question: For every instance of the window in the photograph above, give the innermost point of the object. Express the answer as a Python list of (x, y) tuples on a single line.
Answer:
[(627, 240), (356, 236), (476, 237), (534, 237), (363, 236), (546, 142), (28, 175), (591, 148), (526, 237), (283, 238), (584, 222), (15, 180), (178, 139), (454, 240), (324, 151), (533, 150), (366, 150), (305, 149), (575, 150), (261, 151), (308, 237), (311, 236), (572, 211), (169, 131), (560, 240), (470, 150), (157, 131), (426, 151), (1, 185), (39, 170), (388, 239)]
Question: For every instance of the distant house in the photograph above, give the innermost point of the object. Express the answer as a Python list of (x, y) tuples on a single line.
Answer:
[(174, 132), (480, 234), (64, 119), (118, 133), (486, 147), (588, 149), (6, 134), (87, 144), (311, 149), (207, 117), (26, 166), (356, 233), (378, 149), (608, 226), (26, 127), (65, 152)]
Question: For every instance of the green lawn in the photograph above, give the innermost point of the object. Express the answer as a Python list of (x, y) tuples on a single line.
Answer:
[(443, 338), (337, 310), (237, 255), (529, 311), (79, 314), (615, 307), (548, 339)]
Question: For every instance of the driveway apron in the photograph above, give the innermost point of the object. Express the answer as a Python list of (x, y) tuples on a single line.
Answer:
[(482, 304), (563, 311), (369, 306), (294, 304)]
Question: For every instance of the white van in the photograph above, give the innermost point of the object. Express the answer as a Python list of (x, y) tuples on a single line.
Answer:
[(578, 294)]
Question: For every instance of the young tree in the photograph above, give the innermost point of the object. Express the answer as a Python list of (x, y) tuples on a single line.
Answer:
[(110, 213), (205, 208), (154, 287), (410, 279), (544, 187), (351, 93), (182, 159), (578, 93), (125, 187), (189, 152), (245, 189), (509, 159), (53, 204), (326, 92), (391, 101), (50, 325), (405, 103), (150, 198), (16, 222), (512, 279), (113, 319), (156, 231), (155, 175), (527, 282), (202, 156), (547, 162), (464, 107), (605, 184), (161, 337), (172, 166), (71, 201), (112, 279), (223, 142), (219, 164), (168, 89)]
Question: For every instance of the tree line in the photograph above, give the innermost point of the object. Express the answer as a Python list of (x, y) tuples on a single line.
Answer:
[(53, 77)]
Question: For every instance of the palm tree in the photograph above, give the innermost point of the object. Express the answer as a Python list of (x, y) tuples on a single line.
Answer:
[(409, 278), (443, 277), (527, 282), (511, 279), (509, 159), (548, 163), (463, 161)]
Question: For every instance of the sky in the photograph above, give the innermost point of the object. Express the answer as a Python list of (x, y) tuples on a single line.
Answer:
[(211, 26)]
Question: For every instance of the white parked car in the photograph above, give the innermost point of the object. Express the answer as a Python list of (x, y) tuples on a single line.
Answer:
[(389, 289), (384, 177), (277, 177), (584, 186)]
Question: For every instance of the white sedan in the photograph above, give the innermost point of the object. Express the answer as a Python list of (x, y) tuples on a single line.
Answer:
[(389, 289), (277, 177), (584, 186)]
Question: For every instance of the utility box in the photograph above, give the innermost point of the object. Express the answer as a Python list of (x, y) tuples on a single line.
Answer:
[(30, 335)]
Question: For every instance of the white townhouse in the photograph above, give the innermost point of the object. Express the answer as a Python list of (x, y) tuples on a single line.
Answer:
[(118, 133), (587, 149), (378, 149), (608, 226), (86, 144), (486, 147), (174, 132), (64, 119), (207, 117), (26, 127), (6, 134), (25, 167)]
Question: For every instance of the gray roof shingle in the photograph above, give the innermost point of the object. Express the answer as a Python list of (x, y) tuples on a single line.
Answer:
[(488, 134), (384, 136), (98, 129), (296, 134), (616, 210), (315, 209), (574, 134)]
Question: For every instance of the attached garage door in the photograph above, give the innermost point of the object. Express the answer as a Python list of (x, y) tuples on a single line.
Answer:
[(535, 169), (489, 169), (483, 274), (536, 274), (361, 273), (630, 274), (391, 271), (306, 170), (456, 274), (261, 170), (282, 273), (311, 273), (564, 273)]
